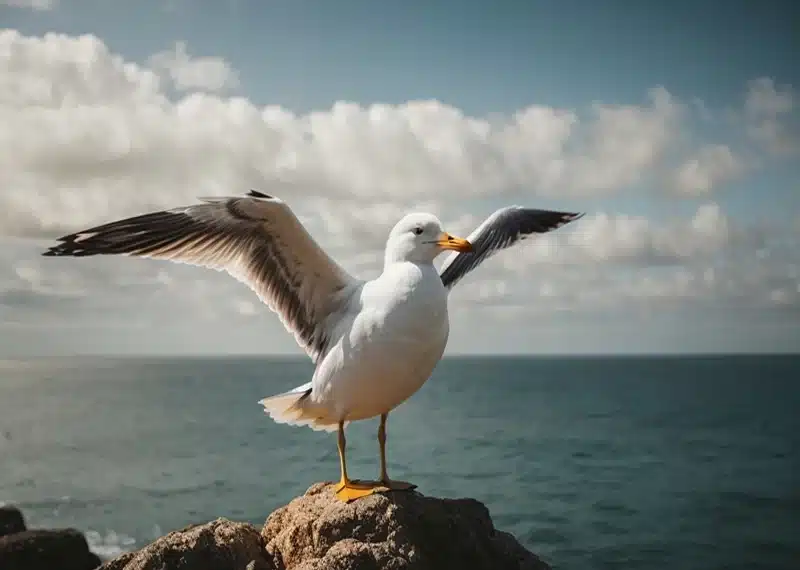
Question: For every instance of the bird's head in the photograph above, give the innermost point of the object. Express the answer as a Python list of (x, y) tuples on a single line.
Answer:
[(420, 238)]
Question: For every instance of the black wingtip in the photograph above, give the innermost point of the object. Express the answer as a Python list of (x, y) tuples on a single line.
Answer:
[(72, 245), (65, 249), (257, 194), (55, 251)]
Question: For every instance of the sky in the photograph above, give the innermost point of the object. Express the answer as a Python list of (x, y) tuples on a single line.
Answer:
[(674, 126)]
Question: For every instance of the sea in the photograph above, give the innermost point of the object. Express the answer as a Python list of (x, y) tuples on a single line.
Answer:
[(639, 462)]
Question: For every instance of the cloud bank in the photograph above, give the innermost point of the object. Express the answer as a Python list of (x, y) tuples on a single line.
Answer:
[(89, 136)]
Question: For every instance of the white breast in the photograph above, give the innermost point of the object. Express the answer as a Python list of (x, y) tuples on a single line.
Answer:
[(391, 346)]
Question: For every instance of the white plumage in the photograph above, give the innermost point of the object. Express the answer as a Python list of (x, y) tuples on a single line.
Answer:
[(385, 341), (374, 343)]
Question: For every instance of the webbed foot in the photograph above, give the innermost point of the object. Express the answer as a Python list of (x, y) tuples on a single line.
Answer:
[(347, 491)]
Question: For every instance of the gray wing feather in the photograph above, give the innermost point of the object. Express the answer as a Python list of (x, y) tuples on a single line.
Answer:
[(256, 238), (504, 228)]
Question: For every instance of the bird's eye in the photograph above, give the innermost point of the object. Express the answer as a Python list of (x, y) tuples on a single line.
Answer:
[(417, 231)]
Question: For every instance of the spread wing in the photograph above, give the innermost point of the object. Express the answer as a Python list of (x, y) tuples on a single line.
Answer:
[(255, 238), (504, 228)]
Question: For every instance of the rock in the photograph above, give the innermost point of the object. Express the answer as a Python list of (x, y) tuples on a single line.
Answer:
[(65, 549), (217, 545), (395, 531), (11, 520)]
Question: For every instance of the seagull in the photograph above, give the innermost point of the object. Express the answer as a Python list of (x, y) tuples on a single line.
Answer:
[(374, 343)]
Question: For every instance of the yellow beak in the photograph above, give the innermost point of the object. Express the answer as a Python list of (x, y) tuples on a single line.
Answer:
[(446, 241)]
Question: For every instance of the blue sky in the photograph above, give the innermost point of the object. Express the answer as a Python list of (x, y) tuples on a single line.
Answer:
[(496, 59), (480, 57)]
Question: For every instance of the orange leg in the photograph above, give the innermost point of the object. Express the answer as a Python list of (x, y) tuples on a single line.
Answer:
[(385, 480), (348, 490)]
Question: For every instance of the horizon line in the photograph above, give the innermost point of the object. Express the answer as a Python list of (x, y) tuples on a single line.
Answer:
[(454, 356)]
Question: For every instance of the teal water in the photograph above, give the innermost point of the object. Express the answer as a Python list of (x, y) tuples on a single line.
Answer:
[(621, 463)]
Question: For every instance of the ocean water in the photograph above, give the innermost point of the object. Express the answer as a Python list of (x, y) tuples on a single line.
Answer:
[(623, 463)]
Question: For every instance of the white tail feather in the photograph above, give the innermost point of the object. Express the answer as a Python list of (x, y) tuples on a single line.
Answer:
[(294, 408)]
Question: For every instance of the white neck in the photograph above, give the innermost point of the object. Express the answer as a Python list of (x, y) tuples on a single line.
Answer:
[(406, 253)]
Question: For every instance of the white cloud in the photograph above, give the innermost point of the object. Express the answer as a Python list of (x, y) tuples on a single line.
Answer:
[(245, 308), (90, 136), (631, 240), (39, 5), (625, 263), (189, 73), (624, 143), (763, 99), (767, 113), (548, 290), (32, 278), (713, 165)]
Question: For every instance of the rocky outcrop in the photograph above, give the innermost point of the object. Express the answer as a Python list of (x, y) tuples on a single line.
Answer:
[(41, 549), (398, 531), (218, 545), (11, 520), (392, 531)]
